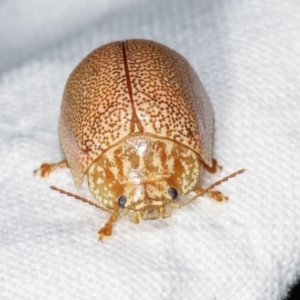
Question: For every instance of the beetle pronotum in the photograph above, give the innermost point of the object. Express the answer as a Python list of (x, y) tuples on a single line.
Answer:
[(137, 121)]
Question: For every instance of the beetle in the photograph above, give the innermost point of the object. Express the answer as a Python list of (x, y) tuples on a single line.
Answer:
[(137, 121)]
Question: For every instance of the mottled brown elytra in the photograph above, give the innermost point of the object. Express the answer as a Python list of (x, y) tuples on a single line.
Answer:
[(137, 121)]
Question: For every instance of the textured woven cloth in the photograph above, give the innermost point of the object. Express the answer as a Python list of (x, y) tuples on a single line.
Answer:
[(247, 56)]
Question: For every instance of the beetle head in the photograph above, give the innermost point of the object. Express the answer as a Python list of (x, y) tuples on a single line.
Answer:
[(148, 201)]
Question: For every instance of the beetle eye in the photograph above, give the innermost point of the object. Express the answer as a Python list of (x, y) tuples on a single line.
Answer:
[(173, 193), (122, 201)]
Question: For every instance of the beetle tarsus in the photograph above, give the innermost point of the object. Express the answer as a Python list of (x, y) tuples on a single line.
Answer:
[(214, 168), (106, 230), (215, 195), (46, 169)]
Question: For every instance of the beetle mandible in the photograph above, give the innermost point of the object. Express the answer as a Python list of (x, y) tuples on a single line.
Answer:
[(137, 121)]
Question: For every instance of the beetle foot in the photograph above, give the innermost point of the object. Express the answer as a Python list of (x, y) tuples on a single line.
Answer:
[(215, 195), (214, 168), (106, 231), (46, 169)]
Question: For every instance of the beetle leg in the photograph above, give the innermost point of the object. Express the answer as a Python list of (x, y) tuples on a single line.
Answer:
[(46, 169), (214, 168), (106, 230), (216, 195)]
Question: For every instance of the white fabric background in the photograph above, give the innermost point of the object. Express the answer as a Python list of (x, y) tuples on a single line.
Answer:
[(247, 54)]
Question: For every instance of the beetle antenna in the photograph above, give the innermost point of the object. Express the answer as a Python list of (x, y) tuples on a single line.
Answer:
[(81, 199), (223, 180), (212, 186)]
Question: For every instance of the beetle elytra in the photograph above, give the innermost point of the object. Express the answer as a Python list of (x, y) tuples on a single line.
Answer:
[(137, 121)]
